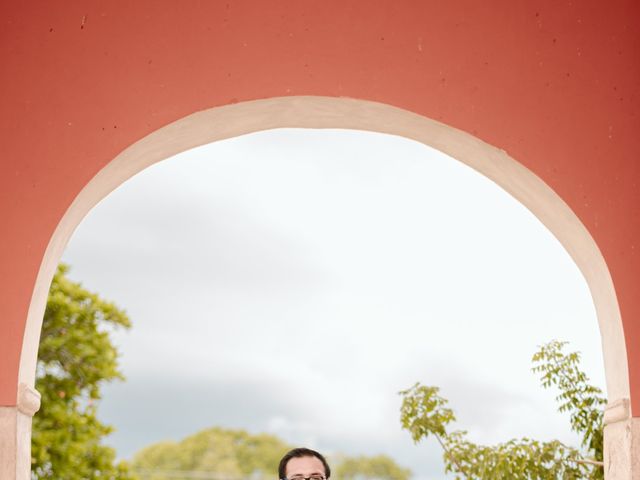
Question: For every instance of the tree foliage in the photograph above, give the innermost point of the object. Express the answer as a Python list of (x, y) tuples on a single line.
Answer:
[(584, 401), (377, 467), (425, 413), (225, 452), (75, 358), (236, 454)]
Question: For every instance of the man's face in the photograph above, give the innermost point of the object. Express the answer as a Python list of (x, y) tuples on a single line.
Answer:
[(304, 467)]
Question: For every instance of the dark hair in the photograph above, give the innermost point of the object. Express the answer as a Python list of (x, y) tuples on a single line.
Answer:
[(301, 452)]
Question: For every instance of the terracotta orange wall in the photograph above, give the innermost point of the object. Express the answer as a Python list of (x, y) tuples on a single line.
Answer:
[(553, 83)]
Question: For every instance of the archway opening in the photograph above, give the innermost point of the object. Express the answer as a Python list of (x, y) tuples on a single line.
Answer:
[(323, 112), (378, 255)]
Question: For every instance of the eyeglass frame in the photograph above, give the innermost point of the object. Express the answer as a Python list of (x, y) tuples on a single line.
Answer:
[(306, 478)]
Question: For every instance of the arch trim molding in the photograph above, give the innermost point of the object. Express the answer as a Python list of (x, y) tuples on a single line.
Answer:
[(328, 112)]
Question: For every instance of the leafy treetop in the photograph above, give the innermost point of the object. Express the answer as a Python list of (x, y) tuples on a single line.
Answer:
[(75, 358), (425, 413)]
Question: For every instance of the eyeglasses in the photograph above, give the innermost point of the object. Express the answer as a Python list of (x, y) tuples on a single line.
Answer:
[(311, 477)]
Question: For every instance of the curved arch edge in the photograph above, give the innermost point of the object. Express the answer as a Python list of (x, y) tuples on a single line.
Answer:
[(327, 112)]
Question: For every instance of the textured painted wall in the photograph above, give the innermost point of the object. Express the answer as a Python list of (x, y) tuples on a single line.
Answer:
[(555, 84)]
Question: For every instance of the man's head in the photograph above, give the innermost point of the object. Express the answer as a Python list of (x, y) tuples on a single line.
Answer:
[(303, 463)]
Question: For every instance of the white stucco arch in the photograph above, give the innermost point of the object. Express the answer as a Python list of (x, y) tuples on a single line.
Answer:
[(326, 112)]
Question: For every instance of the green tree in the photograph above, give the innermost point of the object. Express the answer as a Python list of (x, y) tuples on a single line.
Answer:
[(226, 453), (75, 358), (220, 451), (378, 467), (425, 413)]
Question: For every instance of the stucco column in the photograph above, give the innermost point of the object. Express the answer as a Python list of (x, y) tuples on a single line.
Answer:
[(621, 442), (15, 435)]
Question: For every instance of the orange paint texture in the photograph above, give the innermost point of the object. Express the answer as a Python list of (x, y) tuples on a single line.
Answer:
[(556, 85)]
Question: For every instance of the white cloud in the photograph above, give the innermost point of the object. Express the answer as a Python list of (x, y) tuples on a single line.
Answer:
[(315, 274)]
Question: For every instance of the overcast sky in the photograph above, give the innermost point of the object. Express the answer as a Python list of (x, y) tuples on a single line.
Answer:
[(293, 281)]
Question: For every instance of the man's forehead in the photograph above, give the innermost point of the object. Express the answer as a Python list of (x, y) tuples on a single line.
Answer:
[(304, 465)]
